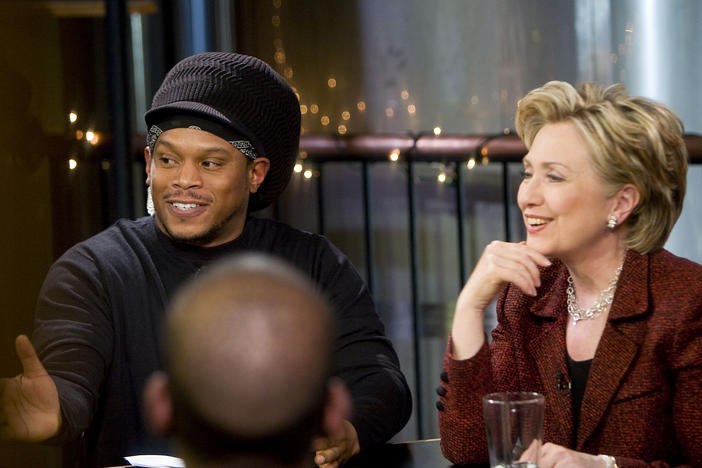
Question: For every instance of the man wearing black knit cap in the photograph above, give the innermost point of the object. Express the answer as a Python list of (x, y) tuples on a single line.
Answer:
[(223, 134)]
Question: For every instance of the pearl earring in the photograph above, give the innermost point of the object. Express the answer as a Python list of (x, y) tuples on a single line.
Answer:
[(612, 221)]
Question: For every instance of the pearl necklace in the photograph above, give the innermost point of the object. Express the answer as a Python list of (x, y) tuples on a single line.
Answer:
[(601, 303)]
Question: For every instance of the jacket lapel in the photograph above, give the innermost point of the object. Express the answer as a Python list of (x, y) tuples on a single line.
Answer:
[(547, 347), (618, 345)]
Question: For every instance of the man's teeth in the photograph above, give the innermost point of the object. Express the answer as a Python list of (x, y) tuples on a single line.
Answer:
[(185, 206), (536, 221)]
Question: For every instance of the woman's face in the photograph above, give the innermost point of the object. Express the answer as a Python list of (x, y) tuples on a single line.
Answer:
[(564, 203)]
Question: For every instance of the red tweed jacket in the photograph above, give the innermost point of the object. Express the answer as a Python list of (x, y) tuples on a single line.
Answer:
[(643, 399)]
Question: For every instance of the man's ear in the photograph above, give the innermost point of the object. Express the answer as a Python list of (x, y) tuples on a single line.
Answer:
[(147, 159), (257, 173), (337, 407), (158, 405), (625, 200)]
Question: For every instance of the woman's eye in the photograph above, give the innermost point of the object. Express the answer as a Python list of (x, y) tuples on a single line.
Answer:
[(525, 174), (555, 178)]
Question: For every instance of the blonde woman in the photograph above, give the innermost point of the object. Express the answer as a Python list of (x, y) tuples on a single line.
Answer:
[(592, 311)]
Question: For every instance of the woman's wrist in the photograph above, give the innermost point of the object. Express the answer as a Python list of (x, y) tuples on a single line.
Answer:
[(610, 461)]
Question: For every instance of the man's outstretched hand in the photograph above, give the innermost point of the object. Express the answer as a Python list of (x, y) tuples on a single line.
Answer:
[(29, 404)]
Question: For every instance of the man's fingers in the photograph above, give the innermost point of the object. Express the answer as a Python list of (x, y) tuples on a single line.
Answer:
[(31, 364)]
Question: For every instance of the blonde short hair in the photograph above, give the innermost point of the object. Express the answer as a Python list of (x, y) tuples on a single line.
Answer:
[(632, 140)]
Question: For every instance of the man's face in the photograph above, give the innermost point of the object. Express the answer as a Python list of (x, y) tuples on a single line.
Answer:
[(200, 186)]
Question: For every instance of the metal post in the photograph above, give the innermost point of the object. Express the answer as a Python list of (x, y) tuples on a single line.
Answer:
[(368, 226), (416, 315), (117, 49)]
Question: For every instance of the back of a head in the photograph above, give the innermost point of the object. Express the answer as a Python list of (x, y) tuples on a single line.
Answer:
[(632, 140), (248, 346)]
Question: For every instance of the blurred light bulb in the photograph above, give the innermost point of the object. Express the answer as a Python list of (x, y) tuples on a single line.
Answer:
[(394, 155), (437, 130), (297, 168), (331, 82), (72, 164), (361, 105), (308, 174), (72, 117), (471, 164), (441, 177)]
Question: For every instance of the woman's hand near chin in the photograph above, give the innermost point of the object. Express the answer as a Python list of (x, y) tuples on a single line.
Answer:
[(500, 263)]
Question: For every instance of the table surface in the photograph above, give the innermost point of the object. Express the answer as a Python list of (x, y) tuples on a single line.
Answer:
[(415, 454)]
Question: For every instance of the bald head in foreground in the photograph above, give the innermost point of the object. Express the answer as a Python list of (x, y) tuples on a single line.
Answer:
[(248, 346)]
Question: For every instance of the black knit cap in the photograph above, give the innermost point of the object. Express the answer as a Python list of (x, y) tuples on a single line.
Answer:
[(244, 93)]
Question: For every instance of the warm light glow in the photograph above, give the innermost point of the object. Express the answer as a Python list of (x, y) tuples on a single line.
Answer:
[(72, 117), (297, 168), (404, 94), (314, 108), (437, 130), (72, 164), (471, 164), (361, 105), (346, 115), (277, 3), (303, 109), (275, 21), (389, 111), (441, 177), (79, 134), (341, 129), (105, 164), (394, 155), (308, 174), (324, 120), (303, 154), (92, 137), (279, 56), (331, 82), (411, 109), (484, 151), (485, 161), (506, 131), (288, 73)]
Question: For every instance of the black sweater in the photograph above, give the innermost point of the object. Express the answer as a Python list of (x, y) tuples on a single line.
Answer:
[(99, 316)]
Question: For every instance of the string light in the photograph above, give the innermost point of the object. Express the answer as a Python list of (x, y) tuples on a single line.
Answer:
[(92, 137), (307, 174), (275, 21), (288, 73), (303, 109), (471, 164), (346, 115), (411, 109), (79, 134), (389, 112), (331, 82), (314, 108), (303, 154), (404, 94), (341, 129), (441, 177), (298, 167), (361, 105), (72, 164), (72, 117), (105, 164), (437, 130), (324, 120), (394, 155)]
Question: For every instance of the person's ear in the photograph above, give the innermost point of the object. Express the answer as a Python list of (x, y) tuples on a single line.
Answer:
[(337, 407), (257, 173), (158, 404), (147, 159), (625, 200)]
